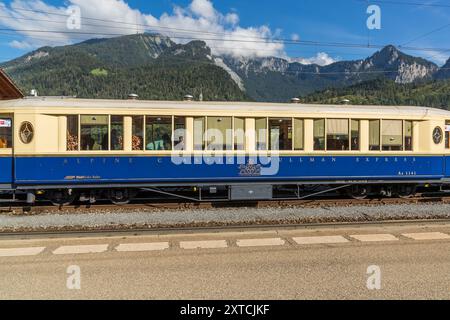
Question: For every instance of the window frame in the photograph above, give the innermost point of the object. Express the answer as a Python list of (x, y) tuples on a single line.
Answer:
[(11, 134)]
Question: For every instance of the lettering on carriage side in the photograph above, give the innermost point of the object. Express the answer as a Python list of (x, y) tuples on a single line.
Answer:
[(407, 173), (312, 159)]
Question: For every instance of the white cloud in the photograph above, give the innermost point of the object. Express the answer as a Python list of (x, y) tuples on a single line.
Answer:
[(438, 57), (20, 45), (203, 8), (321, 59), (295, 37), (200, 20)]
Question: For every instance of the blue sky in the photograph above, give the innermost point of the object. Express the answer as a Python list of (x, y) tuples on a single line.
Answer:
[(342, 21)]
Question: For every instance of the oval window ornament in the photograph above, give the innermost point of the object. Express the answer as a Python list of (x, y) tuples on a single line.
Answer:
[(26, 132), (437, 135)]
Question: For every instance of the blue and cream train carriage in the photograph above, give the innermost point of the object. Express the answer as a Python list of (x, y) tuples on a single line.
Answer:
[(61, 149)]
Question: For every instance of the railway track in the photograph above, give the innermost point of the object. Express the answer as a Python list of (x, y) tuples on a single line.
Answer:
[(198, 228)]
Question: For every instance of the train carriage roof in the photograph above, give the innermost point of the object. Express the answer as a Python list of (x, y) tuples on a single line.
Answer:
[(41, 103)]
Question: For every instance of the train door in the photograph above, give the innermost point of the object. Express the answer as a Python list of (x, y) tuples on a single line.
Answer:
[(6, 151)]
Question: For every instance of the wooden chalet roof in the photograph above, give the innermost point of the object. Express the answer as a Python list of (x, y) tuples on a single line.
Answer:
[(8, 89)]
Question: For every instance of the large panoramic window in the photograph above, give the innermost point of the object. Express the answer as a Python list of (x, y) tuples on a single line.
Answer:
[(261, 133), (299, 133), (319, 134), (5, 133), (137, 129), (337, 134), (392, 135), (116, 133), (220, 133), (158, 133), (94, 132), (374, 135), (239, 133), (280, 133), (199, 133), (179, 134), (408, 135), (72, 133)]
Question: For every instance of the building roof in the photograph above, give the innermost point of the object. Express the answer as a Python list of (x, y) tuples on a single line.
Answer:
[(52, 103), (8, 89)]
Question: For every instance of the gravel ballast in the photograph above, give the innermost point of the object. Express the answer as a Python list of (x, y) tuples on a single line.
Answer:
[(223, 216)]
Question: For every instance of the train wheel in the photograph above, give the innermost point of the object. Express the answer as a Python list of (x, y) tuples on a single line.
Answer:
[(119, 197), (407, 191), (358, 192), (61, 197)]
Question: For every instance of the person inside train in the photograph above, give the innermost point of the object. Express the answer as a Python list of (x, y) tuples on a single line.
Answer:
[(3, 143), (179, 145)]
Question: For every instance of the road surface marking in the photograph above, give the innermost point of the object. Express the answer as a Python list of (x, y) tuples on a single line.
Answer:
[(427, 236), (136, 247), (18, 252), (208, 244), (81, 249), (320, 240), (260, 242), (374, 237)]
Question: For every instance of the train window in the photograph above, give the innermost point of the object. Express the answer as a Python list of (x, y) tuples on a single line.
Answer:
[(116, 133), (319, 134), (355, 135), (158, 133), (447, 134), (239, 133), (392, 135), (5, 133), (179, 134), (374, 135), (337, 134), (261, 133), (72, 133), (137, 133), (94, 132), (299, 133), (408, 135), (280, 134), (220, 133), (199, 133)]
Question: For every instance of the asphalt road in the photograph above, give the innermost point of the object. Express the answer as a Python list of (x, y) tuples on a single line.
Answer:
[(321, 263)]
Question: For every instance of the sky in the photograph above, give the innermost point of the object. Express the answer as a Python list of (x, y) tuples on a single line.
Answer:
[(308, 31)]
